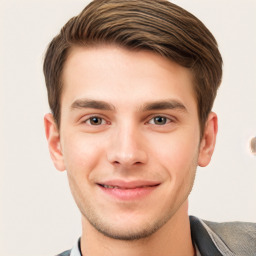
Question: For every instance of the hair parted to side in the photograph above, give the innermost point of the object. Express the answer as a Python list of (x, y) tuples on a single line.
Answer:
[(156, 25)]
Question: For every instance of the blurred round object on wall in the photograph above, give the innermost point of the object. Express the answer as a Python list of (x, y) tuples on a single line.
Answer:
[(253, 145)]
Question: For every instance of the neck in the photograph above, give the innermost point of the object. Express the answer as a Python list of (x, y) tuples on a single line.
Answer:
[(174, 238)]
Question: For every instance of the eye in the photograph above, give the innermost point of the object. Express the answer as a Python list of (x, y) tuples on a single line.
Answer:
[(95, 120), (159, 120)]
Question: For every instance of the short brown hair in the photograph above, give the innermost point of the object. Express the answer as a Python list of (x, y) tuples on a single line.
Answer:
[(159, 26)]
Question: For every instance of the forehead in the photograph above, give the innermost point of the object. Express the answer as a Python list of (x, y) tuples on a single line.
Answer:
[(122, 76)]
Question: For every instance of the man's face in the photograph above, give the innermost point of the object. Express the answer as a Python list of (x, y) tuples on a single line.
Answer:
[(129, 138)]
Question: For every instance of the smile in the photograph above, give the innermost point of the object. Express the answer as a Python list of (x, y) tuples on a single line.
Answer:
[(109, 186), (127, 190)]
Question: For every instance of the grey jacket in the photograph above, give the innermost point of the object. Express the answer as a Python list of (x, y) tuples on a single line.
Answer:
[(228, 238), (214, 239)]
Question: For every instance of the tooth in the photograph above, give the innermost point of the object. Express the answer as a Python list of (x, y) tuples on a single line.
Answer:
[(108, 186)]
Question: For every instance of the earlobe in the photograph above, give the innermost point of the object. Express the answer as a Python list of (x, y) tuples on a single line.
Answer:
[(53, 138), (208, 140)]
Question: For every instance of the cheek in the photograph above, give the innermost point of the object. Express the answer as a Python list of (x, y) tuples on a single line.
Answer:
[(177, 153), (81, 153)]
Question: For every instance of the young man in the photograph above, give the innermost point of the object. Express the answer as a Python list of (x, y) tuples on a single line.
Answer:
[(131, 85)]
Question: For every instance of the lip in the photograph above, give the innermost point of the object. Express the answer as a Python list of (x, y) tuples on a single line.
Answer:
[(128, 190)]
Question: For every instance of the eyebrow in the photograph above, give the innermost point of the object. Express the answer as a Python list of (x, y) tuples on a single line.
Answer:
[(102, 105), (164, 104), (88, 103)]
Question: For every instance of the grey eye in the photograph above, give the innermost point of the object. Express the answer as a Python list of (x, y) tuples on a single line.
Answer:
[(160, 120)]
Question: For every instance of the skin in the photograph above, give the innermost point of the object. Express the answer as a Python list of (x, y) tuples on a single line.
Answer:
[(131, 117)]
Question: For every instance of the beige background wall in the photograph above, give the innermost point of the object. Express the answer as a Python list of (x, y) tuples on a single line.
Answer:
[(37, 213)]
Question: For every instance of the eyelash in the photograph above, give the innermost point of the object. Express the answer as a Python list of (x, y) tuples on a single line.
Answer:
[(98, 117), (167, 120), (103, 121)]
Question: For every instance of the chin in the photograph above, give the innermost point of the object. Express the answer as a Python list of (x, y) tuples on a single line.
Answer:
[(128, 229)]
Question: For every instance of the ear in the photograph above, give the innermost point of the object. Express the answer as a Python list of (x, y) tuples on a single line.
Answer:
[(53, 138), (208, 140)]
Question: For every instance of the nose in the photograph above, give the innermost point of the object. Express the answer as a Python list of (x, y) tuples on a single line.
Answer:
[(127, 148)]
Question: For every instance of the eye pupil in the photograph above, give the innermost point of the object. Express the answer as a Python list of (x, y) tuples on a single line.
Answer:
[(95, 120), (160, 120)]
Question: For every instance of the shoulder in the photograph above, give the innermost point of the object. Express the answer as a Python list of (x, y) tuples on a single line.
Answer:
[(65, 253), (240, 237), (226, 238)]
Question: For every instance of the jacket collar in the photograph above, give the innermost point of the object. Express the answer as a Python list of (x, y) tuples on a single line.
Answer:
[(206, 240)]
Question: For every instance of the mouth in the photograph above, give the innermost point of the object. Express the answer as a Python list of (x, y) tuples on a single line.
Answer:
[(117, 187), (128, 190)]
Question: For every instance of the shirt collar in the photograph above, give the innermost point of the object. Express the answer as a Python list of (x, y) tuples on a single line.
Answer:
[(75, 251)]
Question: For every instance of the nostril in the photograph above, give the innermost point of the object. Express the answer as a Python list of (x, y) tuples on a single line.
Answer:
[(122, 158)]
